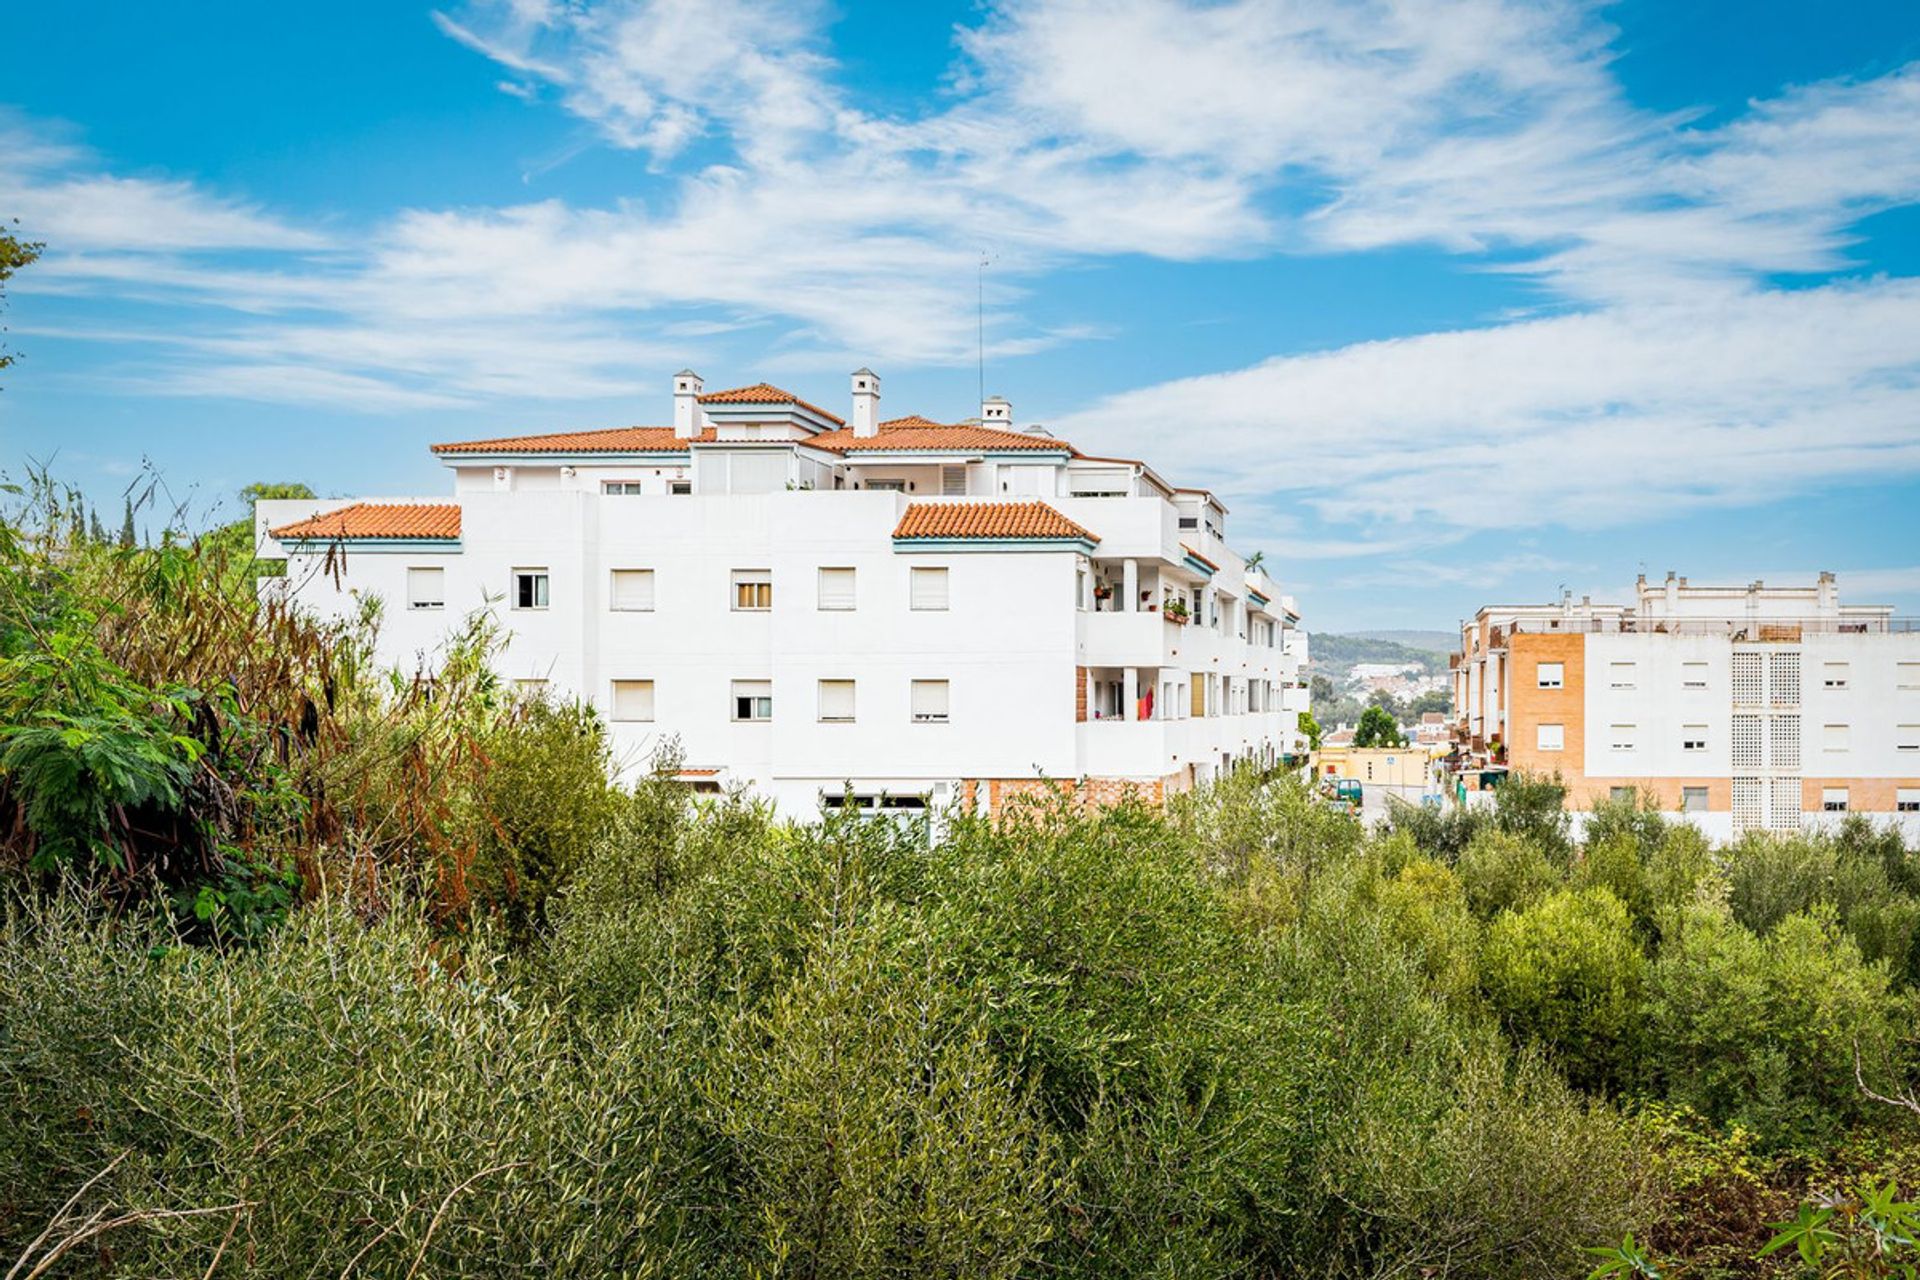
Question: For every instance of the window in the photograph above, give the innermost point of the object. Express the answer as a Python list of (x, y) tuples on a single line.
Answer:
[(426, 588), (1833, 675), (1618, 794), (1833, 799), (953, 482), (1189, 522), (622, 488), (1693, 675), (929, 701), (928, 589), (836, 701), (836, 589), (1906, 737), (1908, 676), (1834, 737), (1907, 800), (529, 588), (1620, 675), (632, 590), (1552, 737), (633, 699), (753, 699), (1693, 799), (1623, 735), (888, 486), (752, 590), (680, 488), (1693, 737), (1553, 675)]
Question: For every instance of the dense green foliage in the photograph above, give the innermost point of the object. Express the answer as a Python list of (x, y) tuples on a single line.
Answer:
[(312, 968)]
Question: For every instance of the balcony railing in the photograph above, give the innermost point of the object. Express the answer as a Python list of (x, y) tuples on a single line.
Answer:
[(1761, 629)]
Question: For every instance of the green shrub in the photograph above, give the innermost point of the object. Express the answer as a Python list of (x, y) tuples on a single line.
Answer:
[(1568, 975), (1762, 1032), (1535, 807), (1425, 912), (1503, 871)]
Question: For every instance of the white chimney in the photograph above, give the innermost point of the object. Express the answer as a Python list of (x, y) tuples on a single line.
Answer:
[(996, 412), (686, 406), (1829, 593), (866, 404)]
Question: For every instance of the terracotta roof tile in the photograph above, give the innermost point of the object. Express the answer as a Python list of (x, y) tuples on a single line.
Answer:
[(377, 520), (1197, 556), (987, 520), (765, 393), (920, 435), (614, 440)]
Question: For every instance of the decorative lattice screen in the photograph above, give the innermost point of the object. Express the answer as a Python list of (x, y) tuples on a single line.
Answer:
[(1783, 678), (1748, 813), (1784, 742), (1747, 675), (1746, 743), (1784, 812)]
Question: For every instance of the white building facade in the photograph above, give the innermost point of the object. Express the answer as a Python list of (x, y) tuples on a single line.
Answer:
[(911, 612), (1744, 708)]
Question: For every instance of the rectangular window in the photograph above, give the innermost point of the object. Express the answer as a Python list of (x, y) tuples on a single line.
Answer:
[(1693, 799), (632, 590), (1693, 737), (633, 699), (752, 590), (753, 699), (953, 482), (680, 488), (1906, 737), (1620, 675), (1833, 675), (929, 701), (928, 589), (887, 486), (1618, 794), (1623, 736), (1833, 799), (1908, 675), (1907, 800), (622, 488), (1553, 675), (1693, 675), (836, 589), (529, 588), (1834, 737), (426, 588), (836, 701), (1552, 737)]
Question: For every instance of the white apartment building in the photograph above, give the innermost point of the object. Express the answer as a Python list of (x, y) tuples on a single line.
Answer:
[(1755, 707), (917, 612)]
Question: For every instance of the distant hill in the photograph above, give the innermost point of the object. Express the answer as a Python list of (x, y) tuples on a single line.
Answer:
[(1441, 642)]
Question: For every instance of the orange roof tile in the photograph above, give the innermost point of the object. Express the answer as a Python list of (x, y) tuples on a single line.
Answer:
[(1197, 556), (377, 520), (917, 434), (614, 440), (987, 520), (765, 393)]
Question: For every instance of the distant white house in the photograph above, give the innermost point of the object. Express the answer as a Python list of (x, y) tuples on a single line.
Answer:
[(925, 612)]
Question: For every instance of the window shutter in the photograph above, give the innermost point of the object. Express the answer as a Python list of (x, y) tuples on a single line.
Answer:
[(633, 699), (929, 588), (836, 699), (953, 482), (836, 588), (929, 700), (633, 589), (426, 588)]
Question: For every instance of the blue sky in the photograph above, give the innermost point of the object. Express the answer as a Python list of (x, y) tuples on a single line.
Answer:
[(1453, 302)]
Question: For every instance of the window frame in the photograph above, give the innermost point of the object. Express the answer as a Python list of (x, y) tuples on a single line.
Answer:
[(613, 701), (1540, 679), (613, 590), (426, 606), (736, 697), (853, 589), (1687, 795), (739, 580), (820, 700), (945, 579), (539, 575), (914, 715), (1690, 743), (1540, 737)]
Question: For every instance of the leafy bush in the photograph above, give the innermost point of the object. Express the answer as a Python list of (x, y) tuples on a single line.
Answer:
[(1762, 1032), (1568, 974), (1501, 871)]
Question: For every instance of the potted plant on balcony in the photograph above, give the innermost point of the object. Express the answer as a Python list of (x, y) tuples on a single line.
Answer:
[(1176, 611)]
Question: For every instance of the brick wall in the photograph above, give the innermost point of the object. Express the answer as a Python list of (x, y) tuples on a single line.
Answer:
[(1080, 694)]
